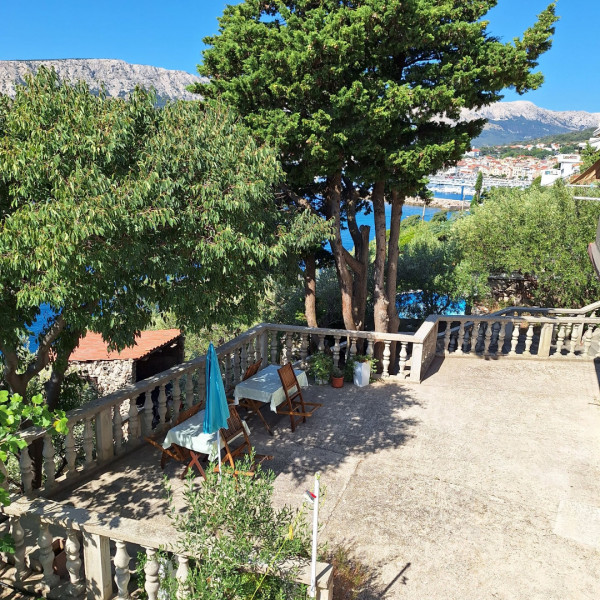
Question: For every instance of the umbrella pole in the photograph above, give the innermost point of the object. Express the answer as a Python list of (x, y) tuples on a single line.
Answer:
[(219, 450)]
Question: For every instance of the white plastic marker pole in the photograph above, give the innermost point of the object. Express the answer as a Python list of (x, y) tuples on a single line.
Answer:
[(312, 592)]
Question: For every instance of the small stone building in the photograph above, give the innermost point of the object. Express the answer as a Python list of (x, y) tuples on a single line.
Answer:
[(153, 352)]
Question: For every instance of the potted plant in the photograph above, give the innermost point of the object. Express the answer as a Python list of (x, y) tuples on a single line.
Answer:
[(358, 369), (320, 367), (337, 377)]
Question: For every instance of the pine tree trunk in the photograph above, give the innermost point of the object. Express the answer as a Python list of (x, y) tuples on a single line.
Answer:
[(380, 301), (392, 270), (334, 196), (310, 290)]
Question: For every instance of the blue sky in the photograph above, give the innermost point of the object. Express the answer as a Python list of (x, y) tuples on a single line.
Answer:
[(169, 35)]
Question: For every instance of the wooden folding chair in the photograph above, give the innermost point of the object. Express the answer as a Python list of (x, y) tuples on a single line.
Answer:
[(296, 406), (234, 430), (176, 452), (252, 406)]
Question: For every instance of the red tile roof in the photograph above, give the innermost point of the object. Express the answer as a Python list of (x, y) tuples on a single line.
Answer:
[(93, 347)]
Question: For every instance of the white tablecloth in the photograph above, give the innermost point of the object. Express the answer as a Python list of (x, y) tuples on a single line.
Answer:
[(266, 386), (190, 434)]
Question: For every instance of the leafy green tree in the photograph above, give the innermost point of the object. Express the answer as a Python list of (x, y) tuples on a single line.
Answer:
[(229, 525), (113, 209), (352, 93), (13, 413), (542, 233), (589, 156)]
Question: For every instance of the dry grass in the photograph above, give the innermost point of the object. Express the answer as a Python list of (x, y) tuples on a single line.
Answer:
[(350, 577)]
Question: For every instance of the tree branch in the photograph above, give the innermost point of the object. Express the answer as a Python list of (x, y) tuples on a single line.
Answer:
[(43, 354)]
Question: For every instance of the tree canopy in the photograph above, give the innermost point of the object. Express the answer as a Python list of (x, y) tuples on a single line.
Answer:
[(112, 209), (363, 99), (541, 233)]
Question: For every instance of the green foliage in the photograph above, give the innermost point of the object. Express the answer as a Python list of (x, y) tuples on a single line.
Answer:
[(112, 209), (589, 156), (320, 366), (230, 527), (13, 413), (358, 358), (359, 86), (427, 269), (539, 232)]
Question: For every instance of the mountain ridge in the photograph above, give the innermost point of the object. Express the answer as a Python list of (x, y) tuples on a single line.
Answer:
[(515, 121)]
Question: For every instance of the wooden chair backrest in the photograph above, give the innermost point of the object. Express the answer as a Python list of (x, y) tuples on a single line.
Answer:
[(253, 369), (234, 425), (288, 378), (187, 413)]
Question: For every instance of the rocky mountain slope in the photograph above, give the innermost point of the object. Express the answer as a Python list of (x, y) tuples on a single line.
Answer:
[(508, 121), (118, 77), (522, 120)]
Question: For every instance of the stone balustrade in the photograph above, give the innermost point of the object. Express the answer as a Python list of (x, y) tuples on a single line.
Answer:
[(523, 336), (105, 429), (98, 545)]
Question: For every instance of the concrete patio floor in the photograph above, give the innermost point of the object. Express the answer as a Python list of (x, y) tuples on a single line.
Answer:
[(482, 482)]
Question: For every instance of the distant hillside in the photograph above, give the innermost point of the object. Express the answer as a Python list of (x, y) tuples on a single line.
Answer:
[(524, 121), (563, 139), (118, 77)]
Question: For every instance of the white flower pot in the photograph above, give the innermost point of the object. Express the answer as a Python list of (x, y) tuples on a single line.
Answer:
[(362, 374)]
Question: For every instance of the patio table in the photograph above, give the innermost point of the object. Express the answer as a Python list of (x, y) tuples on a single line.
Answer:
[(266, 386), (190, 434)]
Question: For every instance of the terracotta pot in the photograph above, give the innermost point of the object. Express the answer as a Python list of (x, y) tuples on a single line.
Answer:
[(337, 382)]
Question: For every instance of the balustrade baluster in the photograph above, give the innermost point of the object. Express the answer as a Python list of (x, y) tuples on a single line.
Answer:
[(403, 356), (528, 340), (118, 429), (202, 385), (189, 389), (460, 340), (133, 425), (468, 338), (182, 574), (386, 359), (49, 466), (228, 375), (274, 346), (353, 341), (176, 398), (501, 336), (587, 341), (488, 338), (370, 347), (151, 570), (26, 468), (88, 442), (321, 346), (303, 346), (18, 536), (244, 359), (447, 337), (162, 405), (70, 453), (235, 356), (514, 340), (336, 350), (148, 413), (72, 547), (47, 556), (560, 340), (574, 339), (122, 575), (264, 344), (289, 343), (479, 338)]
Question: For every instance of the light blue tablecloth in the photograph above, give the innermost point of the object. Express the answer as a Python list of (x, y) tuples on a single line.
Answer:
[(266, 386), (190, 435)]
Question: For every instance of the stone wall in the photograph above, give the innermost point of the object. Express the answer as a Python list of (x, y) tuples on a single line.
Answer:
[(106, 376)]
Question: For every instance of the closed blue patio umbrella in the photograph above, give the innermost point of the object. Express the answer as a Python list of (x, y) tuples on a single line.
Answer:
[(217, 411)]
